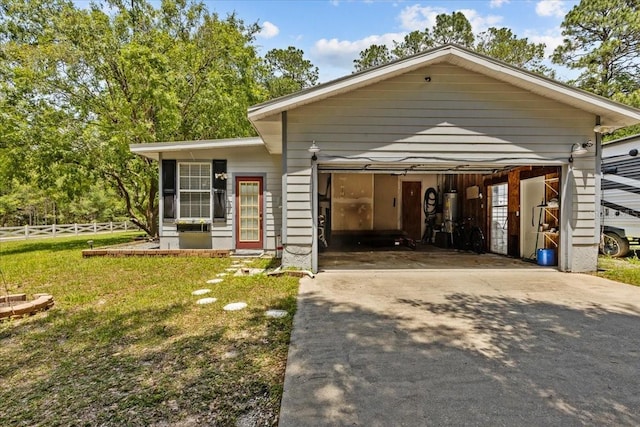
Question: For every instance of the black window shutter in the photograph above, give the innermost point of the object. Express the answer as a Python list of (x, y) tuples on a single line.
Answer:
[(219, 189), (168, 177), (169, 186), (219, 174)]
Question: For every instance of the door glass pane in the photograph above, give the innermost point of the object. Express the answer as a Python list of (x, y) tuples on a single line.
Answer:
[(249, 211), (499, 208)]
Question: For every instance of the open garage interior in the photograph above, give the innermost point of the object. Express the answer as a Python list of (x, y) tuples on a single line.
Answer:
[(409, 218)]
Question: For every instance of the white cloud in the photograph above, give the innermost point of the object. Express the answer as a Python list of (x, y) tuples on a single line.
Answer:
[(551, 8), (335, 57), (551, 38), (417, 17), (478, 22), (268, 30), (498, 3), (341, 53)]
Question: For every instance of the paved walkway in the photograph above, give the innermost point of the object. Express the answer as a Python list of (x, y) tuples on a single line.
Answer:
[(463, 347)]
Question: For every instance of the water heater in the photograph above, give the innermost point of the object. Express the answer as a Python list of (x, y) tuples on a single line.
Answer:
[(449, 210)]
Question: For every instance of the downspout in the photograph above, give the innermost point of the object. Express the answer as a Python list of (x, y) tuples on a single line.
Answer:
[(161, 198), (598, 185), (566, 213), (283, 210), (314, 216)]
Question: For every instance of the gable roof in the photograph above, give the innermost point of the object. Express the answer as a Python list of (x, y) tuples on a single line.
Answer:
[(267, 121)]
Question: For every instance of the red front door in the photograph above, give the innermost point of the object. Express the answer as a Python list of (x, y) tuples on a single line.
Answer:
[(249, 228)]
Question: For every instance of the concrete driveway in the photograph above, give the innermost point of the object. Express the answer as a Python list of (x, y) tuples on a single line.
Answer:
[(463, 347)]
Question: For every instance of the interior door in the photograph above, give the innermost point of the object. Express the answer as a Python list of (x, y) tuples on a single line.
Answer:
[(412, 208), (499, 221), (385, 202), (249, 224), (531, 195)]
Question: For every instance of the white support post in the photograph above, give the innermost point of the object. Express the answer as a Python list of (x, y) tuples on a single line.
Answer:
[(314, 216)]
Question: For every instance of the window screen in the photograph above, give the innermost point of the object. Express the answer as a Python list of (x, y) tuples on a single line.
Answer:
[(194, 184)]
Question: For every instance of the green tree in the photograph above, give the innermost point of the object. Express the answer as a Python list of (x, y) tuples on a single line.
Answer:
[(413, 43), (101, 78), (286, 71), (373, 56), (502, 44), (602, 39), (499, 43), (454, 28)]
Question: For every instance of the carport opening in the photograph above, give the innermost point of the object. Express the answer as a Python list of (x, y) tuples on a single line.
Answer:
[(512, 212)]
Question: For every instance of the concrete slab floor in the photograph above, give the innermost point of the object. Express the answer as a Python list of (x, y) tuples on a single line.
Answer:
[(425, 257), (463, 347)]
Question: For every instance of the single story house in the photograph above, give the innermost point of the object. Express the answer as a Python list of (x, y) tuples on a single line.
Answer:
[(518, 152)]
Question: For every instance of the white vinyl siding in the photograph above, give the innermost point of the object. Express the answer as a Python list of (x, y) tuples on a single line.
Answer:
[(458, 118), (584, 206), (241, 161), (457, 113)]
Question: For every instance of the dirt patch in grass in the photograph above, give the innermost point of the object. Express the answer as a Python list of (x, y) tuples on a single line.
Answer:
[(126, 343)]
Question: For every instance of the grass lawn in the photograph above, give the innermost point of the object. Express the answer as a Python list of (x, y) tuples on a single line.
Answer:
[(626, 270), (126, 343)]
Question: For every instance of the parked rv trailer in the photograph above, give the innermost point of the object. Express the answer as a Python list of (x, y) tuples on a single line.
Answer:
[(620, 203)]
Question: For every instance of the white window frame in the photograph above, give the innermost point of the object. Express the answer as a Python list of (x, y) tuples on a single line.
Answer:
[(180, 190)]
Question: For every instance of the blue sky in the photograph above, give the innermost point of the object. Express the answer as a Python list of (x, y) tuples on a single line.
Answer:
[(332, 32)]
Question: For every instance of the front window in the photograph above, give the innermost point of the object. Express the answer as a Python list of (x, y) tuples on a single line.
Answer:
[(194, 186)]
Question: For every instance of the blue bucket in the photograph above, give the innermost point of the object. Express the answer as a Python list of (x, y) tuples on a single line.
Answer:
[(547, 256)]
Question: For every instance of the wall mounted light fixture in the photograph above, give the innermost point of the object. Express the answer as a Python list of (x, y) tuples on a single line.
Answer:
[(578, 149), (314, 150)]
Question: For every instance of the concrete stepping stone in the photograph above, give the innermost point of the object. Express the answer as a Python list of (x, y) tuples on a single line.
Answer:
[(214, 281), (235, 306), (276, 314), (201, 291), (249, 271), (203, 301)]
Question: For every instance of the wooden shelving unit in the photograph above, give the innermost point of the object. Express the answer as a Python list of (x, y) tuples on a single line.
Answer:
[(549, 221)]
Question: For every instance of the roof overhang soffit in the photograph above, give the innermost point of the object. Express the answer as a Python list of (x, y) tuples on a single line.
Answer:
[(154, 150)]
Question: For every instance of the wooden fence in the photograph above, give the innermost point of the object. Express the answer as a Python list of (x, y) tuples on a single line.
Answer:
[(55, 230)]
